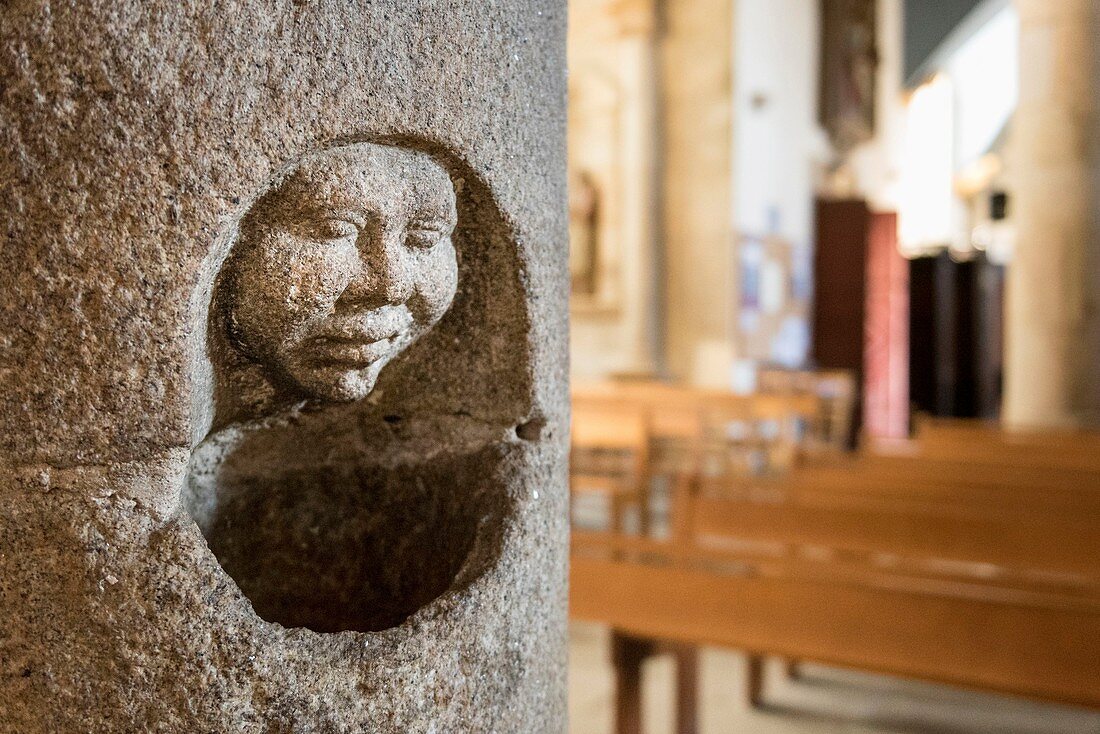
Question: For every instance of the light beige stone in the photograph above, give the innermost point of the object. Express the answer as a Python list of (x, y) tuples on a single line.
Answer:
[(613, 139), (698, 234), (1052, 361)]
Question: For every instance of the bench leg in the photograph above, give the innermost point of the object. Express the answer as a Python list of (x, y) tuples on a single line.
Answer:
[(683, 491), (754, 681), (627, 655), (617, 508), (687, 689)]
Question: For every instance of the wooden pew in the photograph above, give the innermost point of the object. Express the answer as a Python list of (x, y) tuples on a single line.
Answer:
[(982, 443), (998, 544), (952, 483), (659, 397), (951, 517), (973, 573), (610, 455), (682, 419), (836, 391), (1039, 645)]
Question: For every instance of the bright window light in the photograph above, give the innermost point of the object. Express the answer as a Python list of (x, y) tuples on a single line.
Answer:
[(927, 208), (984, 71)]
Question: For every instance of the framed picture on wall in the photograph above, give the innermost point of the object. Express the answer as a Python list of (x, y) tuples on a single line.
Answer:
[(849, 71), (772, 316)]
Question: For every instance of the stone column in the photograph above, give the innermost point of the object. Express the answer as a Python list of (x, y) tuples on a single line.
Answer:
[(1053, 302), (283, 413), (641, 182), (697, 178), (613, 141)]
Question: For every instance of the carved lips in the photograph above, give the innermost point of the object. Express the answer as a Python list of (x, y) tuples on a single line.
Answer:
[(359, 340), (353, 352)]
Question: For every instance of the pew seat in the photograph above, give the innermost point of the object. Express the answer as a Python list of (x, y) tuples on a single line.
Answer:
[(911, 560)]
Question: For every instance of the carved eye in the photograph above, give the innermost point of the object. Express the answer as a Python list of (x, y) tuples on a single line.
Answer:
[(425, 236), (335, 229)]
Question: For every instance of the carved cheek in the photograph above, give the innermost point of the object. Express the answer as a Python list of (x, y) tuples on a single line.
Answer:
[(316, 274), (437, 281), (260, 297), (320, 274)]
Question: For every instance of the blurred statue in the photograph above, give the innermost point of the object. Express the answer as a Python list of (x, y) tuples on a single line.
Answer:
[(584, 227)]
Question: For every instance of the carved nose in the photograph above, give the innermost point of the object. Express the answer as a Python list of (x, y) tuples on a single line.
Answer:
[(385, 274)]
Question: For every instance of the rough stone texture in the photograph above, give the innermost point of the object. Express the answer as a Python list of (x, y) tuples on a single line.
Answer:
[(199, 534)]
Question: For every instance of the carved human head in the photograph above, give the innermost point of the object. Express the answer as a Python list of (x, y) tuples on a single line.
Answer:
[(341, 265)]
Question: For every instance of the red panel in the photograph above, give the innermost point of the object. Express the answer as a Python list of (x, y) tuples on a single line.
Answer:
[(840, 271), (886, 333)]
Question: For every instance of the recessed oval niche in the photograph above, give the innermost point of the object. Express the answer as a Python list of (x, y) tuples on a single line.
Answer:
[(354, 547), (354, 433)]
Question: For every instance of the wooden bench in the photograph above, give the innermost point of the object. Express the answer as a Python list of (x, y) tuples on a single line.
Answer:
[(948, 483), (1002, 638), (976, 573), (983, 443)]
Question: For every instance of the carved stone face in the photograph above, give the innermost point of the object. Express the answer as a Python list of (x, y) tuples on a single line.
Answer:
[(341, 266)]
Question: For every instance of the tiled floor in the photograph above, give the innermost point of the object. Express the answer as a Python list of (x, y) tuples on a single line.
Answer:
[(822, 701)]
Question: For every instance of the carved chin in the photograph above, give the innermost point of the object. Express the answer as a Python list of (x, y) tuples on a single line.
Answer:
[(333, 384)]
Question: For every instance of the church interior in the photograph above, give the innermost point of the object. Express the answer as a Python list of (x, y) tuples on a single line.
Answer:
[(311, 422), (835, 363)]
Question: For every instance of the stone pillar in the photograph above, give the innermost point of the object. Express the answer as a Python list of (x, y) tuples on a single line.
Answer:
[(697, 158), (1053, 303), (283, 413), (613, 140)]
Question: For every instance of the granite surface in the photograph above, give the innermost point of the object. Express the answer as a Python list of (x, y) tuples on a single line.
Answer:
[(283, 358)]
